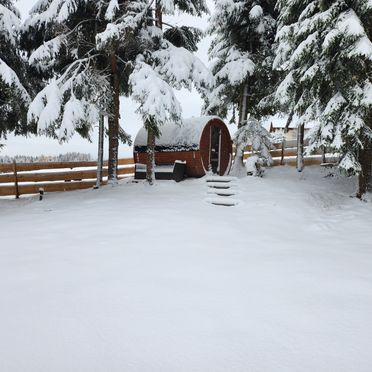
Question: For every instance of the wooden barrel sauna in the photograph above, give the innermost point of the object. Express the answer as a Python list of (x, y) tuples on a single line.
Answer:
[(203, 143)]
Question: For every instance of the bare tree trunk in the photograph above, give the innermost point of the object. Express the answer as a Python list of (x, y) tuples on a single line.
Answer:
[(244, 105), (101, 130), (287, 124), (238, 168), (114, 123), (150, 164), (300, 147), (365, 176), (158, 15)]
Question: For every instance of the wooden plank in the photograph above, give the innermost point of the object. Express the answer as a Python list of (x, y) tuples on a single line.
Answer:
[(6, 168), (53, 187), (57, 186), (290, 152), (287, 144), (48, 187), (27, 167), (60, 176), (278, 153), (7, 178), (125, 161), (292, 162), (7, 190), (123, 171), (287, 152)]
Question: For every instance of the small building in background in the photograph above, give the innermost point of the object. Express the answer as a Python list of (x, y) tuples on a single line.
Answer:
[(276, 124)]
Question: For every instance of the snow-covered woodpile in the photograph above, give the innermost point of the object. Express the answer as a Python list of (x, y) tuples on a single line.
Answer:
[(203, 143)]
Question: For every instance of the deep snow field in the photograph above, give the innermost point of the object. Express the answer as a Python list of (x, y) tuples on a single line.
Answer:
[(139, 278)]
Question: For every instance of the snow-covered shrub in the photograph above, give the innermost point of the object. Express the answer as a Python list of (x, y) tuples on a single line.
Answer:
[(255, 135), (254, 166)]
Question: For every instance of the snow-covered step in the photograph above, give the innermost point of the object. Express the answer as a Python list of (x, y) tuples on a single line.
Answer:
[(220, 185), (222, 192), (223, 201), (220, 179)]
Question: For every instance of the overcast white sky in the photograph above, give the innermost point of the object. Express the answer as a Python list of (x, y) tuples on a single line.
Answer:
[(131, 122)]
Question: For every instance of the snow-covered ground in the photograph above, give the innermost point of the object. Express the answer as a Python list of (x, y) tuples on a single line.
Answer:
[(138, 278)]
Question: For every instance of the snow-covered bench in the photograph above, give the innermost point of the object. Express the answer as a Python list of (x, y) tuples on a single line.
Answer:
[(174, 171)]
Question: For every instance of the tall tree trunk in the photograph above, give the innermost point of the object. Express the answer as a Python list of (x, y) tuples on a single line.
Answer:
[(114, 123), (158, 15), (238, 168), (287, 124), (150, 164), (240, 107), (244, 105), (300, 148), (101, 131), (365, 177)]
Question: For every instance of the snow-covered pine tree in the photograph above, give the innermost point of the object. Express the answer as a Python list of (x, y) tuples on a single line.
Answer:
[(242, 53), (325, 50), (120, 41), (253, 134), (166, 62), (82, 80), (14, 96), (59, 37)]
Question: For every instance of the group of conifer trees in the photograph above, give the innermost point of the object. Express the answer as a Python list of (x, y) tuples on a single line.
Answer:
[(67, 65), (310, 59)]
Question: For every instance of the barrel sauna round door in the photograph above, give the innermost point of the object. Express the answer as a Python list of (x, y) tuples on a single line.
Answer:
[(215, 149)]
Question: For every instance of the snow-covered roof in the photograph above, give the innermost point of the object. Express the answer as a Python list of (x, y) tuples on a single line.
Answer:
[(177, 137)]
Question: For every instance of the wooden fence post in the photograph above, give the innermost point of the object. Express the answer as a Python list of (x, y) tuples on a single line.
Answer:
[(16, 180)]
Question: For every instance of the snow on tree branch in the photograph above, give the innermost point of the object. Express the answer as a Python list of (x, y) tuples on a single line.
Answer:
[(10, 78), (44, 57), (156, 98), (9, 24), (69, 102), (181, 68)]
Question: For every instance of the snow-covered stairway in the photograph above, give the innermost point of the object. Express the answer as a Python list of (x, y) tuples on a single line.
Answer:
[(221, 190)]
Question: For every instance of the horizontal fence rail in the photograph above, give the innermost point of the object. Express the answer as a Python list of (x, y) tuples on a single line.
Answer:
[(285, 153), (28, 178)]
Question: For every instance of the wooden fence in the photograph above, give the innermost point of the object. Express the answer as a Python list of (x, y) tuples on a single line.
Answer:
[(285, 154), (28, 178)]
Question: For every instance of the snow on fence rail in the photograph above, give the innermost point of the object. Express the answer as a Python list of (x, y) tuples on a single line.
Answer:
[(285, 153), (28, 178)]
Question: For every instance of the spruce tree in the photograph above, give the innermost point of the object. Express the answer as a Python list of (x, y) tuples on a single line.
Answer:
[(101, 49), (165, 63), (325, 50), (14, 95), (82, 81), (242, 54)]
